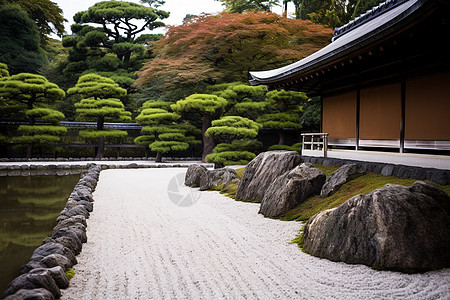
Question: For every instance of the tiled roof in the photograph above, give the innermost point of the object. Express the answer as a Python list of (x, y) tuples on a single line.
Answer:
[(373, 24)]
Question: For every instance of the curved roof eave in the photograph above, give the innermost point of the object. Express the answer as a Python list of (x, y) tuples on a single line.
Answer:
[(374, 28)]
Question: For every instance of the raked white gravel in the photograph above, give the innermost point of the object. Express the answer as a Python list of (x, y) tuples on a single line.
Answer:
[(141, 245)]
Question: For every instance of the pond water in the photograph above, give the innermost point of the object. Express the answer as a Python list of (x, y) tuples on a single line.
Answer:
[(29, 206)]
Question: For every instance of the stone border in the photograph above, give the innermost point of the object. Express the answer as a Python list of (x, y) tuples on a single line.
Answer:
[(44, 275), (438, 176), (63, 159)]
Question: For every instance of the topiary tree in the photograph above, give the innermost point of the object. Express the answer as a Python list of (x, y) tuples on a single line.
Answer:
[(239, 135), (161, 133), (44, 135), (209, 107), (243, 100), (100, 102), (284, 112), (26, 95), (29, 90)]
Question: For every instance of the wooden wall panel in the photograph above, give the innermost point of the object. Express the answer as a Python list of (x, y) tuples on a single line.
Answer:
[(380, 112), (339, 115), (427, 114)]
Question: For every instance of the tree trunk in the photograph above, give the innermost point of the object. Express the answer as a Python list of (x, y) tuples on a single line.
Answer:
[(282, 137), (101, 140), (158, 157), (208, 141), (101, 147), (29, 150), (285, 9)]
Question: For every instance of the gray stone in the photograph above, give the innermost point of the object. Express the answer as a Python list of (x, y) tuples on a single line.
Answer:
[(394, 227), (193, 175), (291, 189), (72, 233), (262, 171), (76, 210), (31, 281), (57, 273), (54, 260), (34, 294), (213, 178), (72, 220), (88, 205), (387, 170), (53, 248), (341, 176), (71, 203), (71, 242)]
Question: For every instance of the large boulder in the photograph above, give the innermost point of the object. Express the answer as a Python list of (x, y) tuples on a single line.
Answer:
[(291, 189), (34, 294), (41, 278), (394, 227), (342, 175), (262, 171), (193, 175), (53, 248), (213, 178)]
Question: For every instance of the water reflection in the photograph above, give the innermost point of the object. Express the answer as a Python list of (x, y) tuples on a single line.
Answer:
[(29, 207)]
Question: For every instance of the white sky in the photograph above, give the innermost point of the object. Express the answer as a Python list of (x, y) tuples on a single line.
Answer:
[(178, 9)]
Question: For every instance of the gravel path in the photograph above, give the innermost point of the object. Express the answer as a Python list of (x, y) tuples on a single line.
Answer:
[(143, 246)]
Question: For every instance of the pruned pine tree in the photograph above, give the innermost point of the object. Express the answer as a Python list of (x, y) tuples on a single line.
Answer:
[(100, 103), (209, 107), (239, 136), (243, 100), (161, 133), (43, 135), (27, 95), (284, 112)]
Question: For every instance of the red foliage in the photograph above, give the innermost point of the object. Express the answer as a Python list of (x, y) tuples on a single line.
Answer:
[(225, 47)]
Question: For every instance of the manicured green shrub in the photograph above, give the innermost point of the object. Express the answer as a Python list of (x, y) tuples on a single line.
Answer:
[(239, 135)]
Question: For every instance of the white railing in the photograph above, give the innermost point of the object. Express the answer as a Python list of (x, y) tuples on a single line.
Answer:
[(314, 144)]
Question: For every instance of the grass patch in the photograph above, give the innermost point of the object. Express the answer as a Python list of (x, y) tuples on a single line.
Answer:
[(361, 185)]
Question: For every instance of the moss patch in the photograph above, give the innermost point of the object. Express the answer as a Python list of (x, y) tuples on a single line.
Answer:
[(70, 273), (361, 185)]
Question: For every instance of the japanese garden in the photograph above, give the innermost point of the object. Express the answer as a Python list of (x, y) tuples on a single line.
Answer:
[(271, 149)]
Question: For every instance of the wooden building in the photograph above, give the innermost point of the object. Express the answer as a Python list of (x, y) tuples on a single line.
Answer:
[(384, 80)]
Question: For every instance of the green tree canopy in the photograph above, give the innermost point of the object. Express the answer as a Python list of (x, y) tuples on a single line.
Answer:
[(47, 15), (119, 28), (285, 112), (28, 90), (20, 41), (240, 6), (209, 107), (98, 87), (161, 132), (238, 134), (243, 100), (4, 70), (99, 103), (27, 95), (42, 135)]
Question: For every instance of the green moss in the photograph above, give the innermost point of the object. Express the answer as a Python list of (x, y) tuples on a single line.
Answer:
[(70, 273), (361, 185), (240, 172), (327, 170)]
